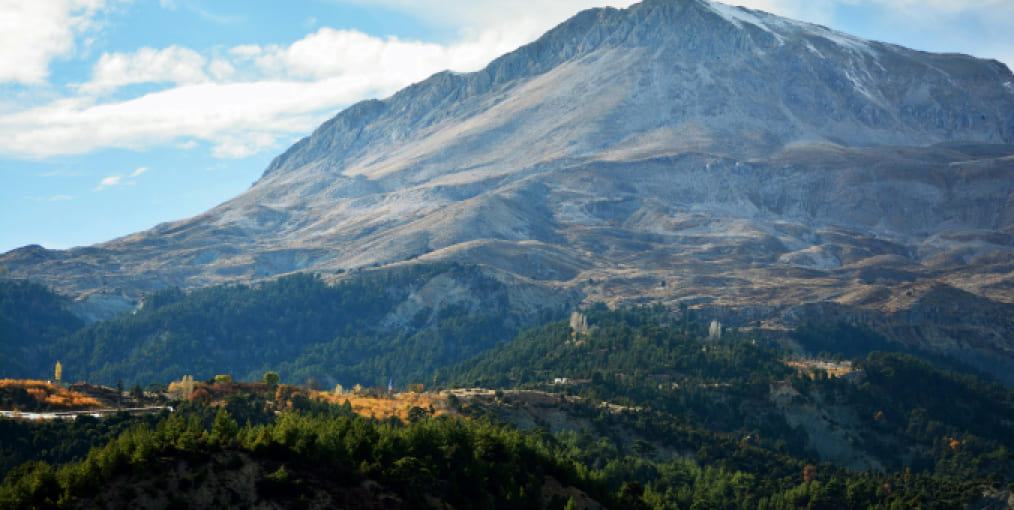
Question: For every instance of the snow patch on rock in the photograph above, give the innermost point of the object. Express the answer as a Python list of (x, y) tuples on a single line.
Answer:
[(739, 15)]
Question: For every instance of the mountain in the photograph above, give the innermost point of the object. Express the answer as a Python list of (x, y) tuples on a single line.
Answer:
[(764, 170)]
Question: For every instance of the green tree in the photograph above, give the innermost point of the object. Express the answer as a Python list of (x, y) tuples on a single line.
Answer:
[(271, 378), (224, 428), (416, 413)]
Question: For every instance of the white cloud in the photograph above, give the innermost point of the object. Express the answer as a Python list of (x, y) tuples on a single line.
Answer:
[(33, 33), (295, 88), (501, 24), (119, 180), (245, 51), (219, 113), (221, 69), (60, 198), (241, 145), (146, 65), (330, 53), (108, 182)]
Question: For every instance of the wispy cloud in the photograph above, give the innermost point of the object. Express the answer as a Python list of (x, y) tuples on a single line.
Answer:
[(108, 182), (119, 180), (60, 198)]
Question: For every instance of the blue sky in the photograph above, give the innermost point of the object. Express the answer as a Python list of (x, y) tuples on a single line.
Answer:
[(116, 115)]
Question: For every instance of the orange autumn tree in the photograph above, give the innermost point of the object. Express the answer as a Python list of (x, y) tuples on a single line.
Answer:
[(809, 473), (53, 396)]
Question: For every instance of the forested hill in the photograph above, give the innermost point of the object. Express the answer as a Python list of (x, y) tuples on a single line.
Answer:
[(631, 408), (878, 411), (330, 458), (315, 454), (367, 329)]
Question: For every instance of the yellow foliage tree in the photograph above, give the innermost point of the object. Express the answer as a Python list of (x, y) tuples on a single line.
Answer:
[(184, 388), (58, 373)]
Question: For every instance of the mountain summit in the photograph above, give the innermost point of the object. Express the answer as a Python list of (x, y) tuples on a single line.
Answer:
[(678, 151), (670, 77)]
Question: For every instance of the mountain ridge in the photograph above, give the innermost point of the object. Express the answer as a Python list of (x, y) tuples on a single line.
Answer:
[(550, 50)]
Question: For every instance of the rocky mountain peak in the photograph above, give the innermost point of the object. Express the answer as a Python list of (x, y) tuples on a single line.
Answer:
[(727, 78)]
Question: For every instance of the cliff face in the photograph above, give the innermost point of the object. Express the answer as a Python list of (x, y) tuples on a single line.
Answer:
[(675, 151)]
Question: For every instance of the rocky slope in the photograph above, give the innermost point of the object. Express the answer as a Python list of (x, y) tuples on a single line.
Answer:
[(767, 170)]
